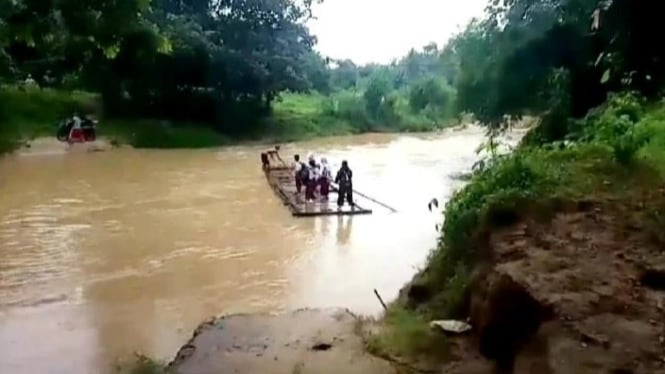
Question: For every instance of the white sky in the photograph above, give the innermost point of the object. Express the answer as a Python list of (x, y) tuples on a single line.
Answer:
[(381, 30)]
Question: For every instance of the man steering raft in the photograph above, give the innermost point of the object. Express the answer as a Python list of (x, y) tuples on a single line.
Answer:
[(270, 154), (344, 181)]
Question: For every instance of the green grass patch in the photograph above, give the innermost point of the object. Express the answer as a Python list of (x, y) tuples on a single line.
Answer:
[(140, 365), (298, 116), (405, 334), (29, 112), (301, 116), (161, 134)]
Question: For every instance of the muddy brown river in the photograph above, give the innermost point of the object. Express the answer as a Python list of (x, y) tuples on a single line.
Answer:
[(105, 254)]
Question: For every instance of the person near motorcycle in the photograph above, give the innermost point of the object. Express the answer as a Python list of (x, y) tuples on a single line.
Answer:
[(76, 134)]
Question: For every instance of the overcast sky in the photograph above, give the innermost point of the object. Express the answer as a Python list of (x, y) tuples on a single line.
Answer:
[(381, 30)]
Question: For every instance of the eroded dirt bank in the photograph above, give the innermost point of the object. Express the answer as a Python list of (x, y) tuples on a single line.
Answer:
[(582, 291), (304, 341)]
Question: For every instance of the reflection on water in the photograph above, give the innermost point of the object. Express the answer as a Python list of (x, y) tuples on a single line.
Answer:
[(344, 229), (104, 254)]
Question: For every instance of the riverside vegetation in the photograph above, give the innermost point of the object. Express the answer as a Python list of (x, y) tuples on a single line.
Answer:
[(587, 70), (198, 73)]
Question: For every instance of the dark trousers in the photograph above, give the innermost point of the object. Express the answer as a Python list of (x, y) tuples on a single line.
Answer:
[(345, 193), (298, 184), (310, 187), (325, 187)]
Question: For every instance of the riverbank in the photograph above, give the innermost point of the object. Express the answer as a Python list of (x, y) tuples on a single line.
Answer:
[(29, 113), (554, 254)]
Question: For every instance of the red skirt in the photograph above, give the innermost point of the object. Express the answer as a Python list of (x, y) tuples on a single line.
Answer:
[(76, 136)]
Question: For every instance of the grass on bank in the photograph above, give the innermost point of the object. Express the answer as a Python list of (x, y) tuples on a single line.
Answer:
[(30, 112), (616, 152), (404, 334), (27, 113), (140, 364), (298, 116)]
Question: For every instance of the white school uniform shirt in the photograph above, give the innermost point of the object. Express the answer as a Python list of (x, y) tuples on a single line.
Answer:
[(325, 171), (77, 122), (314, 173), (296, 167)]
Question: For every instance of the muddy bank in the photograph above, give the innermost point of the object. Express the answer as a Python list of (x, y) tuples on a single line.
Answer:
[(582, 291), (304, 341), (49, 145)]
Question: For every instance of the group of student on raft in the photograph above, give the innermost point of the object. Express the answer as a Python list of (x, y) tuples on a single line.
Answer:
[(313, 175)]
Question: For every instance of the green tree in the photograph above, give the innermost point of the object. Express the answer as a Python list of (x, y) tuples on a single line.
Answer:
[(227, 60), (376, 95), (546, 57), (432, 93), (57, 38), (345, 75)]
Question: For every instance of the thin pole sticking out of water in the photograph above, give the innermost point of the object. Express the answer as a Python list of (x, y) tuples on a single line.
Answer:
[(380, 299)]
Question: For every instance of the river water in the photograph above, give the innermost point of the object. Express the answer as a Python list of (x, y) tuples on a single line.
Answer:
[(105, 254)]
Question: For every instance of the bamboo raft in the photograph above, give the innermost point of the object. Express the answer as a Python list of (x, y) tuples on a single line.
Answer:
[(280, 179)]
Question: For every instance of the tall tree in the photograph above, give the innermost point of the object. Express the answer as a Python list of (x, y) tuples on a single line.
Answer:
[(556, 57)]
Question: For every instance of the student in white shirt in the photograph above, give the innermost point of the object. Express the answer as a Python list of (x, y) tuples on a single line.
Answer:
[(325, 178), (299, 169), (312, 181), (76, 133)]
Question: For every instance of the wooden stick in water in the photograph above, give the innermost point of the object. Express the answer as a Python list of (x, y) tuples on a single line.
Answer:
[(380, 299)]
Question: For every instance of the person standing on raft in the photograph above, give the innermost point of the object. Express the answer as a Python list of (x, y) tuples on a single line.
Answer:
[(265, 163), (325, 179), (274, 154), (268, 155), (299, 171), (312, 180), (344, 181)]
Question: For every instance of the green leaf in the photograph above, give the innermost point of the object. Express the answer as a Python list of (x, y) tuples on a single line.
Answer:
[(111, 51), (164, 45), (606, 77)]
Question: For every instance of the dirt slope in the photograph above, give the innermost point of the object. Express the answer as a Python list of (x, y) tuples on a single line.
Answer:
[(582, 293)]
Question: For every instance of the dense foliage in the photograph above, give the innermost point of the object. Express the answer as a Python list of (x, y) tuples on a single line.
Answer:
[(557, 58), (223, 64), (185, 60)]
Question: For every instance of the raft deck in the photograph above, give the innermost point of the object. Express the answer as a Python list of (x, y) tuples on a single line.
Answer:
[(281, 181)]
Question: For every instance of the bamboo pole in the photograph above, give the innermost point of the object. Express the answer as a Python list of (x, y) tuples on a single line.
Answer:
[(369, 198)]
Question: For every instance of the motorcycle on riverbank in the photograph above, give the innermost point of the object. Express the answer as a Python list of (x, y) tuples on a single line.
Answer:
[(88, 129)]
